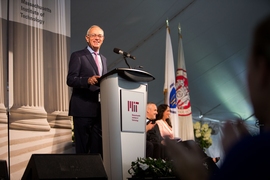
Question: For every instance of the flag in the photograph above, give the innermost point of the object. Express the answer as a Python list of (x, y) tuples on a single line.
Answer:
[(183, 98), (169, 83)]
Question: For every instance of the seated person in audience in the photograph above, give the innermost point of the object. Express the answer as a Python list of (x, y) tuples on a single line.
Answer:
[(151, 112), (161, 129), (163, 126)]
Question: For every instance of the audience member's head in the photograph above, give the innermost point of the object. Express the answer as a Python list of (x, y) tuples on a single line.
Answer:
[(164, 113), (259, 73), (151, 111)]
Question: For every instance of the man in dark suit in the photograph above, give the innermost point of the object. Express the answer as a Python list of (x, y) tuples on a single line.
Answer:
[(85, 68), (151, 112)]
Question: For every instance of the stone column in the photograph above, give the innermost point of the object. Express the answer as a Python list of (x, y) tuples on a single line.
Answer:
[(56, 90), (3, 71), (56, 52), (27, 112)]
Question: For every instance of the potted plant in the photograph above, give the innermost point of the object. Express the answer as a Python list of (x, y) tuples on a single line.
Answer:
[(150, 168)]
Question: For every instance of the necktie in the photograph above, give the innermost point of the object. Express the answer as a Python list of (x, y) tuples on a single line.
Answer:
[(97, 62)]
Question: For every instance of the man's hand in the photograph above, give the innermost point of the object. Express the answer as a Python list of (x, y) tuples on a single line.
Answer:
[(149, 126), (93, 80)]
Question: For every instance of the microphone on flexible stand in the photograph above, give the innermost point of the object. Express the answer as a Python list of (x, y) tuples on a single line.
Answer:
[(125, 54)]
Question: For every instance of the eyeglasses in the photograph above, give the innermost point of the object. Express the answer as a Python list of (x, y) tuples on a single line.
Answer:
[(96, 35)]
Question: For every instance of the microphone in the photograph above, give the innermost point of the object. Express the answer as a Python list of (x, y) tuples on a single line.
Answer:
[(119, 51)]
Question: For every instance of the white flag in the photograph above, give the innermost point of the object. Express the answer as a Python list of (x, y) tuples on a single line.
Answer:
[(183, 98), (169, 84)]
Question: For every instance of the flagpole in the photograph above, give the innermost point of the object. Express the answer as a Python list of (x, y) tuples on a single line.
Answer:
[(179, 31)]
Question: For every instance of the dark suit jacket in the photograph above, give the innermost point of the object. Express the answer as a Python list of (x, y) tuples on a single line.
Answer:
[(84, 101), (153, 135)]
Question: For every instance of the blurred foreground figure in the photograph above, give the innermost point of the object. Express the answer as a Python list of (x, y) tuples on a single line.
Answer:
[(247, 157)]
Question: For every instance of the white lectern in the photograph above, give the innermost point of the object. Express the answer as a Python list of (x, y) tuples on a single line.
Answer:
[(123, 94)]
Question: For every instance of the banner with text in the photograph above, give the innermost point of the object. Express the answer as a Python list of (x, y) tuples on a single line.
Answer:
[(49, 15)]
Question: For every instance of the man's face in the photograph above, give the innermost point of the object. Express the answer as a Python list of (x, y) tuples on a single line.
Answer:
[(95, 38), (151, 111)]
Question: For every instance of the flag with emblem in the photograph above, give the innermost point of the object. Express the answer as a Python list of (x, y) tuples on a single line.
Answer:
[(183, 98), (169, 83)]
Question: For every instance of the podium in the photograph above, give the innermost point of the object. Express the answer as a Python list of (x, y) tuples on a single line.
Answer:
[(123, 94)]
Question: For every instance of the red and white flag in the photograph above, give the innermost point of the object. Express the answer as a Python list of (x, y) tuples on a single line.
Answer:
[(169, 83), (183, 98)]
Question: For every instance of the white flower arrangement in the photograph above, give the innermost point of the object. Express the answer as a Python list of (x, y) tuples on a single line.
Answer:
[(202, 133)]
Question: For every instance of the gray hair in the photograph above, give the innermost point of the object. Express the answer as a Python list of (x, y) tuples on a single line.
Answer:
[(93, 26)]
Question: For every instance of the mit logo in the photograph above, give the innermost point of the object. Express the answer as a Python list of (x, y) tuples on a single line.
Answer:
[(133, 106)]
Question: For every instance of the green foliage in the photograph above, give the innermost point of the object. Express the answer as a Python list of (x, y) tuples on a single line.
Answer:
[(149, 167)]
